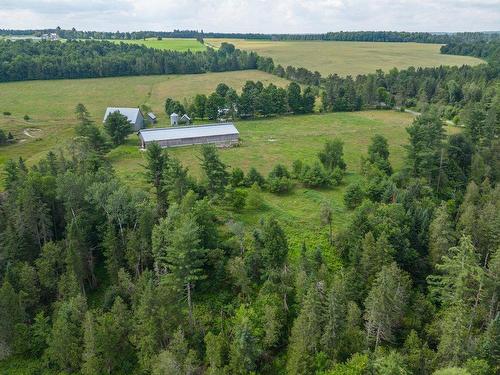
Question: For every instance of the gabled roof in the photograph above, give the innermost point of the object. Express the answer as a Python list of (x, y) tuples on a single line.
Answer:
[(152, 115), (185, 117), (181, 132), (130, 113)]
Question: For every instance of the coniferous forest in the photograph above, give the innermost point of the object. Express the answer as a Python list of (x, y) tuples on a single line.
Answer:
[(98, 276)]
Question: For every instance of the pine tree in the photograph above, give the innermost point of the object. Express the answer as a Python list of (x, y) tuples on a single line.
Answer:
[(65, 344), (306, 334), (441, 234), (386, 303), (181, 254), (156, 164), (91, 363), (215, 171)]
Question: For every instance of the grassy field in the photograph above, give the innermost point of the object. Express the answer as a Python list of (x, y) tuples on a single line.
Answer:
[(349, 58), (51, 104), (174, 44), (282, 140)]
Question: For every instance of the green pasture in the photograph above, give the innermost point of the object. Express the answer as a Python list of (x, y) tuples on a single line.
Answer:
[(349, 58)]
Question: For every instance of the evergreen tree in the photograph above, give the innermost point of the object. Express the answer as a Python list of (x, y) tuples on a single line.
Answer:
[(386, 303), (156, 163), (118, 127), (215, 171)]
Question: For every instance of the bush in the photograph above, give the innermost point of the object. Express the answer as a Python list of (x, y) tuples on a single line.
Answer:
[(6, 113), (236, 198), (279, 184), (337, 176), (3, 137), (353, 196), (279, 179), (237, 178), (254, 198), (254, 177), (279, 171), (26, 118), (316, 176), (297, 167)]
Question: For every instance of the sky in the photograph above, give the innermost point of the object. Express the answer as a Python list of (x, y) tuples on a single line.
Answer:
[(259, 16)]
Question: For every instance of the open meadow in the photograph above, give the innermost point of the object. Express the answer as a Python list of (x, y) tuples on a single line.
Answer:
[(173, 44), (349, 58)]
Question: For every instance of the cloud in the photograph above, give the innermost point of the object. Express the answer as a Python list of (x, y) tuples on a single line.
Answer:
[(279, 16)]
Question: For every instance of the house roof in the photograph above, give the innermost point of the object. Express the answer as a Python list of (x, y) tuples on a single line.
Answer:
[(185, 117), (181, 132), (152, 115), (130, 113)]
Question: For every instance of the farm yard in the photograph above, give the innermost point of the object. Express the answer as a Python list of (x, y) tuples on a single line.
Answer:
[(349, 58), (50, 104)]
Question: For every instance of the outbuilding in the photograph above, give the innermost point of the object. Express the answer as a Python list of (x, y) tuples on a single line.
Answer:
[(225, 134), (152, 117), (134, 115)]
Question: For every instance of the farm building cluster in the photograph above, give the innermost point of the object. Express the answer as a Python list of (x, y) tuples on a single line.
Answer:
[(181, 133)]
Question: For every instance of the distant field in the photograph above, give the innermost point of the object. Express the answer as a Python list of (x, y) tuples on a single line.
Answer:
[(349, 58), (174, 44), (51, 104)]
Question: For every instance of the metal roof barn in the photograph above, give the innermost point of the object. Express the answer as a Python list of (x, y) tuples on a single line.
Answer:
[(190, 135), (134, 115)]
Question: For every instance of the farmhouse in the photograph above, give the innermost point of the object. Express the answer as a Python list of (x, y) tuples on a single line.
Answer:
[(226, 134), (134, 115)]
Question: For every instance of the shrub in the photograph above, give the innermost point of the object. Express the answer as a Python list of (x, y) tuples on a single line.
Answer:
[(237, 177), (6, 113), (353, 196), (279, 184), (26, 118), (279, 171), (254, 177), (236, 198), (279, 179), (297, 167), (3, 137), (337, 176), (316, 176), (254, 198)]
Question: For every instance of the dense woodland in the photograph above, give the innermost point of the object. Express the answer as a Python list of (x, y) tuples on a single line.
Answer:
[(29, 60), (98, 277)]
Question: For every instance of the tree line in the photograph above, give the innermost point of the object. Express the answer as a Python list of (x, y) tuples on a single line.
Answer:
[(358, 36), (255, 100), (31, 60)]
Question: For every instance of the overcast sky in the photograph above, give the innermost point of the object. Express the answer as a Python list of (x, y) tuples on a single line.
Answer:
[(265, 16)]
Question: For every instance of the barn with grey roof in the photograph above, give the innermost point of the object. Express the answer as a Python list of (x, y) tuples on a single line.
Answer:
[(134, 115), (225, 134)]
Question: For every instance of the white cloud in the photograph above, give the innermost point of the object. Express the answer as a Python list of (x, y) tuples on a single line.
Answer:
[(279, 16)]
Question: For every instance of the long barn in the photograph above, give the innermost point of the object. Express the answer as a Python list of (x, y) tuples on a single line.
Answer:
[(226, 134)]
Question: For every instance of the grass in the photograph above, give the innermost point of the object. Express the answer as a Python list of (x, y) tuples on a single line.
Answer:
[(51, 104), (282, 140), (349, 58), (173, 44)]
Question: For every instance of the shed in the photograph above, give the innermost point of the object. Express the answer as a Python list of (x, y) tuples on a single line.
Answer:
[(185, 119), (226, 134), (134, 115), (152, 117), (174, 119)]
